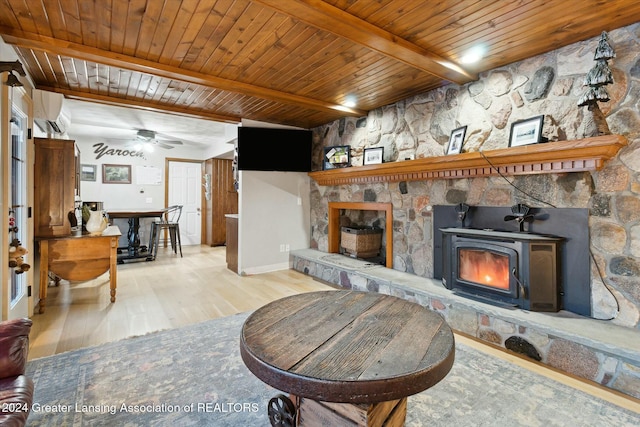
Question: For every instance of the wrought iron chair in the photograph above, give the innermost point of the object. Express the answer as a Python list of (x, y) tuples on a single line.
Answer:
[(170, 224)]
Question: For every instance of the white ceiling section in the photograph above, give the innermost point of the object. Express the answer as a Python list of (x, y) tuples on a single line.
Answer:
[(94, 120)]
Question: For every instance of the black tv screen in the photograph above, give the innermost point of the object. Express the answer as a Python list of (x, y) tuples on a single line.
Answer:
[(270, 149)]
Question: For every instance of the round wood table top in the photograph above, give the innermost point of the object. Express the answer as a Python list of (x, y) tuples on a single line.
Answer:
[(347, 346)]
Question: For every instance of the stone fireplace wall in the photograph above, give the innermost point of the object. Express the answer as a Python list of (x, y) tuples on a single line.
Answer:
[(549, 84)]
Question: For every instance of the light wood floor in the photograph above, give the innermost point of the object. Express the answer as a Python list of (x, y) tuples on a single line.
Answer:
[(167, 293), (172, 292)]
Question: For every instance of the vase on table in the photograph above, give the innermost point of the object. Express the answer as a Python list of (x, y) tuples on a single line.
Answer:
[(96, 223)]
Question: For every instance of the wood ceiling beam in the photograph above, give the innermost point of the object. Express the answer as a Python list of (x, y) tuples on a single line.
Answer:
[(140, 105), (74, 50), (326, 17)]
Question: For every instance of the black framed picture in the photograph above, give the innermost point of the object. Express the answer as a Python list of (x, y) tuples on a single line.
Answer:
[(456, 140), (373, 156), (525, 132), (337, 156)]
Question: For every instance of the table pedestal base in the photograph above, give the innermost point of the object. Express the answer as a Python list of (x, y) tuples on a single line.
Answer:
[(315, 413)]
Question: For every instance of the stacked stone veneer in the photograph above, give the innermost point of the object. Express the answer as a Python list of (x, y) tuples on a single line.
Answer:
[(588, 348), (548, 85)]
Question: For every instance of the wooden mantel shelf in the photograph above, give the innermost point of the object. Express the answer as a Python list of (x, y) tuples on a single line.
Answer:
[(553, 157)]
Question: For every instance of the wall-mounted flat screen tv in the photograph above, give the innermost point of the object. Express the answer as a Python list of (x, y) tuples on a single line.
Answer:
[(271, 149)]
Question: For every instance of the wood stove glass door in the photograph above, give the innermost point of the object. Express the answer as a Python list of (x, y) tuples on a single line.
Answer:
[(484, 267)]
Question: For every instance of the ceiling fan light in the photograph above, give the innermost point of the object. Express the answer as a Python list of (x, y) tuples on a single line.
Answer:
[(138, 146), (148, 148), (350, 101)]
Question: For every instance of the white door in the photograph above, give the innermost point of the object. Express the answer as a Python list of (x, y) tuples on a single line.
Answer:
[(185, 188), (14, 290)]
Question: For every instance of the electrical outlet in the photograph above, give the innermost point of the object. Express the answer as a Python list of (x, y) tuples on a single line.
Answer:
[(282, 248)]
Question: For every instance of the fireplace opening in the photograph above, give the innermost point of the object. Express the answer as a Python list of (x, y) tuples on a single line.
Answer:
[(337, 221), (507, 268)]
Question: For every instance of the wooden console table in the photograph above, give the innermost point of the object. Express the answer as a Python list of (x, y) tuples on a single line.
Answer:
[(347, 358), (80, 256)]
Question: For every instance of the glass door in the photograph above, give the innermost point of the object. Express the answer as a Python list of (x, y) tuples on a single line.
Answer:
[(17, 292)]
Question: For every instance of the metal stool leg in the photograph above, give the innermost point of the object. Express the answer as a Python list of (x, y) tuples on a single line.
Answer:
[(172, 236), (152, 240), (157, 238), (177, 231)]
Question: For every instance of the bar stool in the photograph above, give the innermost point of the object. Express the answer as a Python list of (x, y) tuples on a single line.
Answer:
[(171, 224)]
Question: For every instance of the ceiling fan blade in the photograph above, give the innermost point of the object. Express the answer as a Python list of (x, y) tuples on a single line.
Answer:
[(163, 145), (120, 140), (175, 142), (166, 137)]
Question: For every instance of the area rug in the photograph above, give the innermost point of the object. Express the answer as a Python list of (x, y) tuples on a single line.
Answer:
[(194, 376)]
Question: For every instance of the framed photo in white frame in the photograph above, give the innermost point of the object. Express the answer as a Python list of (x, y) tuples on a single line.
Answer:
[(525, 132), (373, 156), (456, 140)]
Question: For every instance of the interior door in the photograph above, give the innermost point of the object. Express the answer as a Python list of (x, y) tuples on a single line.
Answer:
[(185, 188)]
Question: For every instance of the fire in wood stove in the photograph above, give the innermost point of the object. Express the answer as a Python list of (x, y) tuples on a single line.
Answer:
[(484, 267)]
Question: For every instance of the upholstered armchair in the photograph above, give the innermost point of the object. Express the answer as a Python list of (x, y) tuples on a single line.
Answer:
[(16, 390)]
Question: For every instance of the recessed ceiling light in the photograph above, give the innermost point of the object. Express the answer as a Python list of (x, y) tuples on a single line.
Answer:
[(473, 55), (350, 101)]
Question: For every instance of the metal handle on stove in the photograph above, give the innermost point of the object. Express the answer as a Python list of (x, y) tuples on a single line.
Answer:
[(523, 290)]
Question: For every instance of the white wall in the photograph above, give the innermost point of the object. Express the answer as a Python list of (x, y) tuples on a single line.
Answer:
[(274, 210), (128, 196)]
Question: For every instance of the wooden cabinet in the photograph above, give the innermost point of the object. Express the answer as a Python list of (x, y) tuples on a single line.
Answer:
[(223, 200), (54, 186)]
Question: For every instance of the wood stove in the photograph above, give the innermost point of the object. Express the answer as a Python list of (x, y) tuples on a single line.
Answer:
[(516, 269)]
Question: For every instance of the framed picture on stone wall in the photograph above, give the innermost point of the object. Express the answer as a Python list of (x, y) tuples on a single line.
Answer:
[(373, 156), (456, 140), (525, 132), (337, 156)]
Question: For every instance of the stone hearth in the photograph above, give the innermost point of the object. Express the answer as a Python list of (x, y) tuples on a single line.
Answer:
[(591, 349)]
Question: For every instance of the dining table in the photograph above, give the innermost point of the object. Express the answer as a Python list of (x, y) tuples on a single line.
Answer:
[(134, 250)]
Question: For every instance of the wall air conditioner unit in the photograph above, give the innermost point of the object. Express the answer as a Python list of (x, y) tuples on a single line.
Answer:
[(48, 112)]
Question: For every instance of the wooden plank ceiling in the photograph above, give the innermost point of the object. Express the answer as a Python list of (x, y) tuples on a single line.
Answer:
[(291, 62)]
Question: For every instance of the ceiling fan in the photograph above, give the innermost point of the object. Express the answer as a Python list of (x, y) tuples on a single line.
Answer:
[(147, 139)]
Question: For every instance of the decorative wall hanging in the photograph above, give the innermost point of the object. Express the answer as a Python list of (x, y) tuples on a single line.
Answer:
[(88, 172), (597, 78), (116, 174)]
